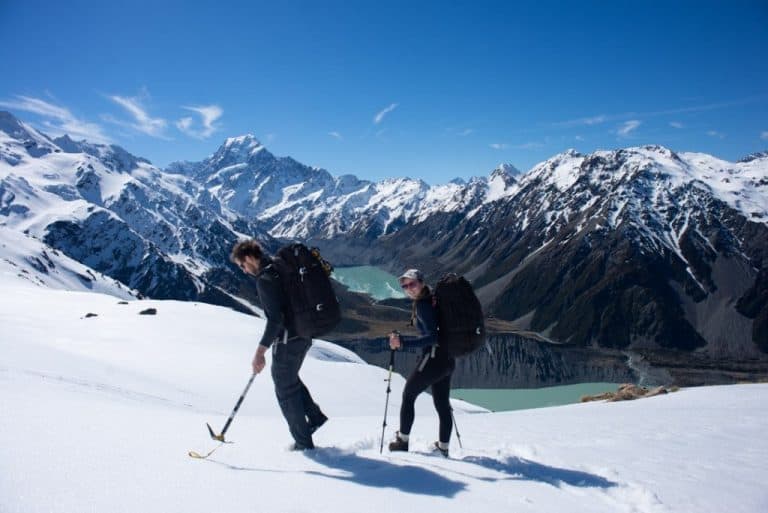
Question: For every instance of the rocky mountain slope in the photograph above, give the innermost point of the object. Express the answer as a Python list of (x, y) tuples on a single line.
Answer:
[(633, 249)]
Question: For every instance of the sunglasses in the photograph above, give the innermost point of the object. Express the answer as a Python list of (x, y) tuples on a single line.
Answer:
[(409, 285)]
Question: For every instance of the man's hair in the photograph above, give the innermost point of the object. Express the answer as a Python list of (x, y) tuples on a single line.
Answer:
[(246, 248)]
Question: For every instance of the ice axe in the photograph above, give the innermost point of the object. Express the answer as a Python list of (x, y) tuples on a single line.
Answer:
[(220, 437)]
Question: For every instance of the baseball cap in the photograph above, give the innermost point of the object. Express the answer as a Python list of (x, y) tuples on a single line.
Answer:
[(411, 274)]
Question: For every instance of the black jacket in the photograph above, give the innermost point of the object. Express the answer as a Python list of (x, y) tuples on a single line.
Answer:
[(274, 302), (426, 323)]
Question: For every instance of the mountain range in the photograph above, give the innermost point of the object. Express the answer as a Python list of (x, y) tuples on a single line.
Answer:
[(639, 248)]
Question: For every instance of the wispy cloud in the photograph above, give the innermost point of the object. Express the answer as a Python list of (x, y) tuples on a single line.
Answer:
[(336, 135), (208, 114), (590, 121), (499, 146), (579, 138), (58, 120), (707, 106), (603, 118), (676, 124), (466, 132), (628, 127), (529, 146), (715, 133), (379, 117), (764, 136), (142, 121)]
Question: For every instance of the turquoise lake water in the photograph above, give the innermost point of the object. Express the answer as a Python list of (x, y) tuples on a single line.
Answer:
[(523, 399), (369, 280), (380, 285)]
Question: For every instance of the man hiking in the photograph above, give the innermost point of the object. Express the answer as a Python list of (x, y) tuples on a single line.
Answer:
[(288, 348)]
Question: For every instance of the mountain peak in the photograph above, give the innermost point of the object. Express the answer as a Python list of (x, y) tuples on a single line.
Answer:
[(35, 143), (237, 150), (754, 156), (505, 169), (11, 125), (248, 141), (8, 121)]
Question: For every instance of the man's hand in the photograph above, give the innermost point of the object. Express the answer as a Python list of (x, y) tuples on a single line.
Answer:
[(394, 341), (259, 362)]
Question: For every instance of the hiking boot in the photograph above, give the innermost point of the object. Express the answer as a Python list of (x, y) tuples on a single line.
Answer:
[(315, 424), (442, 448), (398, 444)]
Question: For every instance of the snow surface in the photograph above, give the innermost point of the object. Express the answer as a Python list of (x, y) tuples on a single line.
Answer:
[(98, 414), (25, 258)]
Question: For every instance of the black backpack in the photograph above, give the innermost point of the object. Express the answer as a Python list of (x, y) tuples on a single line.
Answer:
[(313, 307), (460, 321)]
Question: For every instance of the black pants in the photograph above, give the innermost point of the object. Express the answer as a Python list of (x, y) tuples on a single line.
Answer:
[(296, 403), (437, 374)]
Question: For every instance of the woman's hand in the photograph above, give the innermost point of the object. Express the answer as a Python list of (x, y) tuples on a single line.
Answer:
[(394, 341)]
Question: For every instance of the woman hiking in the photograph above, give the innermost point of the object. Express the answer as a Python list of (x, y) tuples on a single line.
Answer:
[(434, 369)]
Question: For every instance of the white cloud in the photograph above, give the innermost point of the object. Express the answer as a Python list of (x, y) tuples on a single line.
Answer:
[(529, 146), (378, 118), (579, 138), (336, 135), (764, 136), (466, 132), (143, 122), (59, 120), (676, 124), (594, 120), (499, 146), (208, 114), (628, 127), (715, 133)]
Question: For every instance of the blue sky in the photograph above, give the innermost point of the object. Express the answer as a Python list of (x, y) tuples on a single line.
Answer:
[(430, 90)]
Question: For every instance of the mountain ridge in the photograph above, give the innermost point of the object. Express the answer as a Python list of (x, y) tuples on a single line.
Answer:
[(628, 248)]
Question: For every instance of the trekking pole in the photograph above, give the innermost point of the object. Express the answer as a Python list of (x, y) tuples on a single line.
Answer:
[(456, 427), (220, 437), (386, 404)]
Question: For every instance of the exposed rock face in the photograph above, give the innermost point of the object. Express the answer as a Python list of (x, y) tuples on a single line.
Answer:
[(636, 248), (514, 362)]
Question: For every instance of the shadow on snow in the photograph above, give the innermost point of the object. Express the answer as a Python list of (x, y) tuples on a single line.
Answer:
[(383, 474), (413, 477), (519, 468)]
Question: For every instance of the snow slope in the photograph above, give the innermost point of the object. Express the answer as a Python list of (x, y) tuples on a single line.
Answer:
[(29, 259), (98, 415)]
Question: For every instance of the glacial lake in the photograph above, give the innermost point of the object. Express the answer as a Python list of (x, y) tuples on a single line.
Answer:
[(526, 398), (369, 280), (380, 285)]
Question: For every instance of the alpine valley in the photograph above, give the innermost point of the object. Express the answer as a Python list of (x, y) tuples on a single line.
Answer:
[(654, 259)]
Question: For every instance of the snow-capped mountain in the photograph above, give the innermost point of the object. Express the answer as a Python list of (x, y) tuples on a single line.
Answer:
[(161, 234), (639, 247), (29, 260), (298, 201)]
